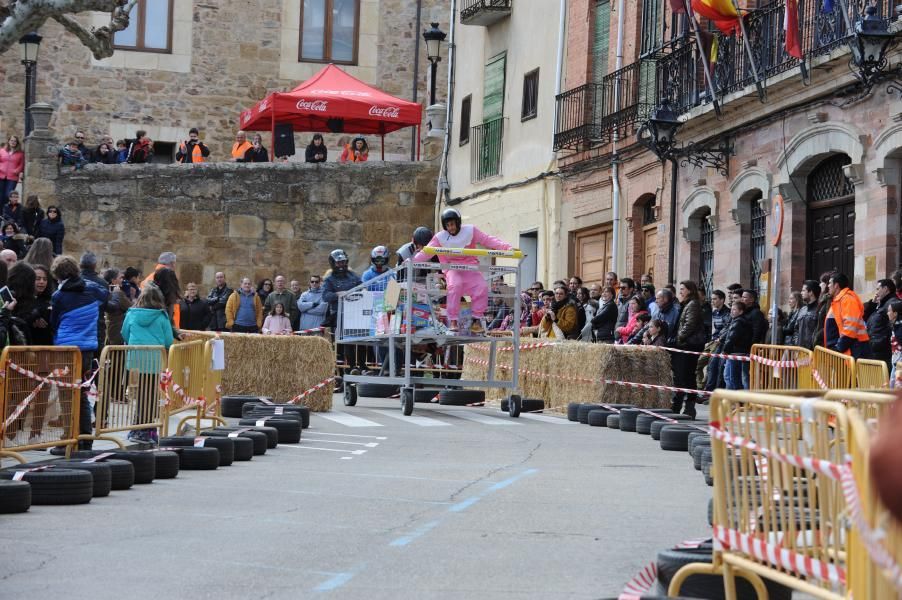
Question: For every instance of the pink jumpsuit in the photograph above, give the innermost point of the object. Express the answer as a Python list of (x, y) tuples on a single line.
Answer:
[(464, 283)]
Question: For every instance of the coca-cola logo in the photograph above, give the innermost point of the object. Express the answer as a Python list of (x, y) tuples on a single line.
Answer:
[(317, 105), (263, 105), (387, 112)]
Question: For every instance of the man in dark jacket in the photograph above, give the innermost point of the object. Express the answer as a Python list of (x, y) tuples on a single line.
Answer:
[(879, 329), (216, 300), (627, 291), (194, 312), (758, 322), (75, 308), (341, 280), (737, 340), (718, 321), (806, 322), (192, 150)]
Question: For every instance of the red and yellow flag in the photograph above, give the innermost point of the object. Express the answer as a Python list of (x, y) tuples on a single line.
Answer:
[(722, 12)]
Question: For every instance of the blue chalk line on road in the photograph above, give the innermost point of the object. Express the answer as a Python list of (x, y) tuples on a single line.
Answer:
[(465, 504)]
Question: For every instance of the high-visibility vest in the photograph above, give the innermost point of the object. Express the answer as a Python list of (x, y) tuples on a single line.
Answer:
[(196, 154), (238, 150), (847, 311)]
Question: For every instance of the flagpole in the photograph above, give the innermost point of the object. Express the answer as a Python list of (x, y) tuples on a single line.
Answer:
[(701, 51), (762, 94)]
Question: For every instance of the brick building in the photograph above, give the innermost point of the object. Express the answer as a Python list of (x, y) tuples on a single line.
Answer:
[(833, 156), (187, 63)]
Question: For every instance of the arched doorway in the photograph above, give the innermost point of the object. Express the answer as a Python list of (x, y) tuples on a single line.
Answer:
[(831, 219), (706, 256)]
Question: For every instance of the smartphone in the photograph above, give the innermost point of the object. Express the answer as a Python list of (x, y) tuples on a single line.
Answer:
[(113, 288), (6, 295)]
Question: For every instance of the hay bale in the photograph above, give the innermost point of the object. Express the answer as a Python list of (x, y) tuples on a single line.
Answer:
[(280, 366)]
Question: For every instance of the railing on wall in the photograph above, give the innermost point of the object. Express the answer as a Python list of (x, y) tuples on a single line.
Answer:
[(486, 143), (578, 116), (484, 12)]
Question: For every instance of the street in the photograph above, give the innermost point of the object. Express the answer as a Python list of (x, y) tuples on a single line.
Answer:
[(450, 503)]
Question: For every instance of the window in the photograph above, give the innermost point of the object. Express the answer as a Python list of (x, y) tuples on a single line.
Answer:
[(465, 119), (149, 28), (706, 256), (601, 43), (530, 107), (758, 242), (493, 97), (329, 31), (649, 212)]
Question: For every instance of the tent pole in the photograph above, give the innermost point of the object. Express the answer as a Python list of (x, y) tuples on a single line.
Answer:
[(272, 133), (383, 147), (419, 142)]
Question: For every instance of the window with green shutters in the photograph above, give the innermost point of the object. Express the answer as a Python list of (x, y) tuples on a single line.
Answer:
[(493, 99), (602, 39), (652, 25)]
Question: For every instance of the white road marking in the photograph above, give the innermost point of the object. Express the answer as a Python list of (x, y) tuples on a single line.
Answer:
[(349, 420), (354, 435), (415, 420), (479, 418), (547, 419), (324, 449)]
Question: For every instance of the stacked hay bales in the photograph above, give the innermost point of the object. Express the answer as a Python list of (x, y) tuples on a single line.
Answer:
[(280, 366), (571, 372)]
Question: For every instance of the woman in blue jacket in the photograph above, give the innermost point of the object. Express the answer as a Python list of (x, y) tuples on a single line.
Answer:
[(74, 311), (146, 324)]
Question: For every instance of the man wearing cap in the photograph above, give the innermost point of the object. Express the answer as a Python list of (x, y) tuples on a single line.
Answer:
[(192, 150)]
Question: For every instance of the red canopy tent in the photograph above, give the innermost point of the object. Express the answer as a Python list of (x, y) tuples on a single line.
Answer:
[(333, 101)]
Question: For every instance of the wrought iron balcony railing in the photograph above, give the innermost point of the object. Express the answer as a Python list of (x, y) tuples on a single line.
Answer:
[(593, 113), (484, 12), (680, 70), (486, 144)]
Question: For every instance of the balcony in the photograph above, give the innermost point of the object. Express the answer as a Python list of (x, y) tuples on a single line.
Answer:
[(594, 113), (484, 12), (485, 149), (680, 70)]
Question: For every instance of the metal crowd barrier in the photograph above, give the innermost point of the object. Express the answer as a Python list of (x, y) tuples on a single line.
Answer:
[(832, 370), (211, 408), (777, 514), (871, 374), (186, 388), (872, 577), (128, 390), (40, 398), (780, 368)]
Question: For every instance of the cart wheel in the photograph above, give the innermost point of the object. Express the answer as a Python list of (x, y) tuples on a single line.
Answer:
[(350, 395), (514, 405), (407, 401)]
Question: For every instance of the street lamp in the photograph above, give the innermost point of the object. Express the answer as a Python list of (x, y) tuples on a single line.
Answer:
[(434, 38), (658, 134), (29, 45), (870, 45)]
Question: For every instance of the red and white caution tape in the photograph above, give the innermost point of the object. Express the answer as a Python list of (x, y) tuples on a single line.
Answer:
[(53, 374), (306, 331), (523, 347), (645, 580), (820, 380), (20, 408), (306, 393)]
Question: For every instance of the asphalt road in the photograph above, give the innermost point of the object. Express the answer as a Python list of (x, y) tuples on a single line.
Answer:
[(450, 503)]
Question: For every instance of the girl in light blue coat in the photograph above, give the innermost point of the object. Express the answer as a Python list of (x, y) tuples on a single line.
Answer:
[(146, 324)]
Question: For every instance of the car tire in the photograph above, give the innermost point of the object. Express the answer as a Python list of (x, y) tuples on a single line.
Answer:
[(226, 446), (57, 486), (675, 437), (271, 433), (573, 411), (199, 459), (376, 390), (613, 421), (599, 417), (460, 397), (143, 462), (657, 426), (289, 429), (15, 497), (232, 405), (256, 410), (644, 422), (258, 440)]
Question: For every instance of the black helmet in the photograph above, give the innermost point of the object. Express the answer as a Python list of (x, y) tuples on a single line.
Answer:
[(422, 236), (338, 256), (379, 256), (450, 214)]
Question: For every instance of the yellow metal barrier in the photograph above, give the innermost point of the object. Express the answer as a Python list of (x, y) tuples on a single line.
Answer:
[(775, 516), (871, 580), (40, 398), (871, 374), (780, 368), (833, 370), (211, 409), (870, 404), (128, 390), (186, 390)]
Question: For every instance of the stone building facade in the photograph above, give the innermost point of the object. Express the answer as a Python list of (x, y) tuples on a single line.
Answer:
[(223, 56), (831, 155)]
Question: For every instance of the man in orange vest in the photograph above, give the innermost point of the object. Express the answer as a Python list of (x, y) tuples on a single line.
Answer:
[(844, 329), (240, 146), (192, 150)]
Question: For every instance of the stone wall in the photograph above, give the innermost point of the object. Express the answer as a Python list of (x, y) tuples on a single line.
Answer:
[(254, 220), (227, 55)]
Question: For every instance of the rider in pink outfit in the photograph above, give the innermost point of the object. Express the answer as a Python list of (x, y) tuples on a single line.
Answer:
[(463, 283)]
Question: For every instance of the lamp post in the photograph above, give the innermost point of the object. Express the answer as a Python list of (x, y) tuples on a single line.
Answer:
[(29, 45), (658, 134), (434, 38)]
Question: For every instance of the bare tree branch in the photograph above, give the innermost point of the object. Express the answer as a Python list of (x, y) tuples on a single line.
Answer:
[(19, 17)]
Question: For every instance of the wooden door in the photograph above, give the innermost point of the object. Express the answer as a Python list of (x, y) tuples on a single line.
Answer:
[(593, 254), (831, 239), (650, 249)]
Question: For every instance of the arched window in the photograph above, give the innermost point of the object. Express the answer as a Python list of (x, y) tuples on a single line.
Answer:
[(758, 241), (706, 255)]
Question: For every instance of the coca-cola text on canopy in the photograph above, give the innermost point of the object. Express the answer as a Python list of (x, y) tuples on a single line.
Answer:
[(317, 105), (387, 112)]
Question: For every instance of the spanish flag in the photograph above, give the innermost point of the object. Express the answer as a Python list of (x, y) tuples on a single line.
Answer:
[(722, 12)]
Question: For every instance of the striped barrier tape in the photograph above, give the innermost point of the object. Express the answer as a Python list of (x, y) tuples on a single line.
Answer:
[(306, 331), (841, 473), (306, 393), (820, 381), (54, 373), (645, 580), (20, 408)]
